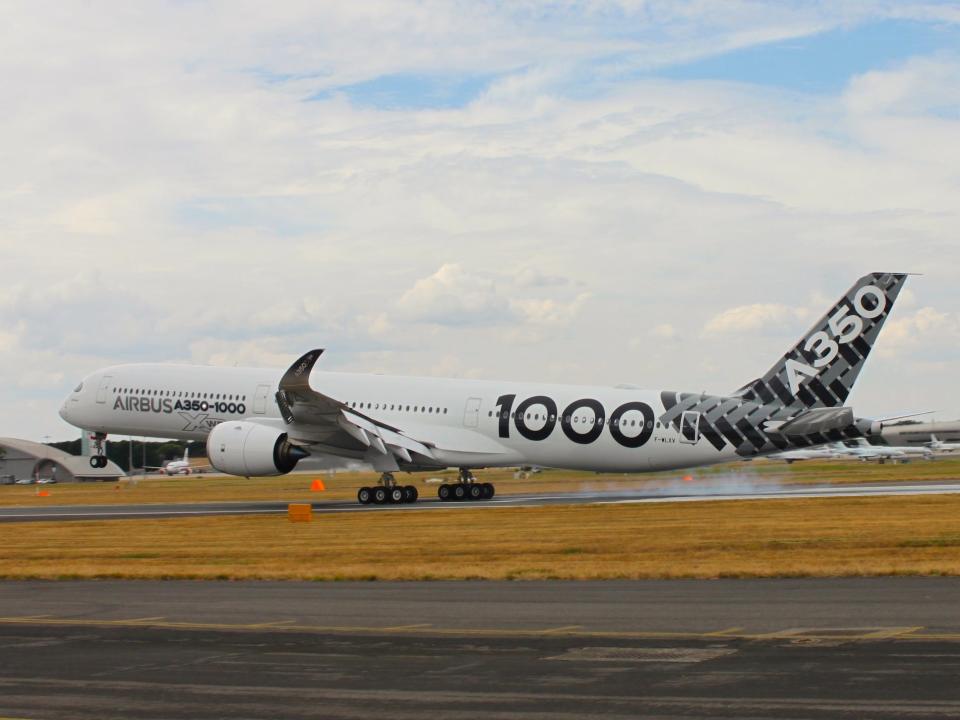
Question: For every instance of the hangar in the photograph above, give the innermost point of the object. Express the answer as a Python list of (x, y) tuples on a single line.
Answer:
[(25, 459), (920, 433)]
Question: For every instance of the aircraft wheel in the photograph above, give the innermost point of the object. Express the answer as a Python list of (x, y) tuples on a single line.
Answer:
[(410, 494), (397, 495), (379, 495), (475, 492), (488, 491), (364, 496), (444, 492), (94, 461), (459, 491)]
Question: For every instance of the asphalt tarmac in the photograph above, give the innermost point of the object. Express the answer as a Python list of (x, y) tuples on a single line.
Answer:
[(726, 491), (817, 648)]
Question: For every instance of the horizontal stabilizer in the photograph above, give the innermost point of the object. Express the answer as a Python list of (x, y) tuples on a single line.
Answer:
[(817, 420)]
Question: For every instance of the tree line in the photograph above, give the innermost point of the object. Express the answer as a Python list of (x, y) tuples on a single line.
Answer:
[(152, 454)]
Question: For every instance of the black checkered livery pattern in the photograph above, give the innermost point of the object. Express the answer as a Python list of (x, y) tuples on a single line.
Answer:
[(740, 419)]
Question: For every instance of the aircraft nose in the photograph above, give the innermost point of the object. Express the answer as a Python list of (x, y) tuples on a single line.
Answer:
[(64, 412)]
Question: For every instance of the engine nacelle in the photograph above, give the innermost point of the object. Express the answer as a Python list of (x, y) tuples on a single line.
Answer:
[(250, 449)]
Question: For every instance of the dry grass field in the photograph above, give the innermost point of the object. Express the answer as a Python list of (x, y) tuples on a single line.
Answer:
[(343, 485), (822, 537)]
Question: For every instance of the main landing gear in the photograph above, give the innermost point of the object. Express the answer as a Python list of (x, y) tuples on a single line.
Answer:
[(466, 488), (387, 492), (100, 459)]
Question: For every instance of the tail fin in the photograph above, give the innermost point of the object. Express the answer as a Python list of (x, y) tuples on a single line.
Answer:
[(820, 370), (186, 454)]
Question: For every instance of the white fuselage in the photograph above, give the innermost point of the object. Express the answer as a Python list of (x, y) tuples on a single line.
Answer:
[(185, 402), (177, 467)]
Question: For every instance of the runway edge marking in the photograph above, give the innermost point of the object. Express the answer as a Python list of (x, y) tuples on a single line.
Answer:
[(874, 634)]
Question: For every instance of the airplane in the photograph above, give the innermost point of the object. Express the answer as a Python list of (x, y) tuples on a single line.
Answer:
[(259, 422), (858, 450), (180, 467), (911, 452), (863, 451), (818, 453), (941, 446)]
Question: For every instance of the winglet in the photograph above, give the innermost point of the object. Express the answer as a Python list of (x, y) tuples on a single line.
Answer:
[(298, 375)]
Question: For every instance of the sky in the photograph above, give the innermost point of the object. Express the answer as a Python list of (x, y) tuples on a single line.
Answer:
[(665, 194)]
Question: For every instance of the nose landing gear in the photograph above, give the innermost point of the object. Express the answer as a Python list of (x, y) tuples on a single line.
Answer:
[(466, 488), (100, 459)]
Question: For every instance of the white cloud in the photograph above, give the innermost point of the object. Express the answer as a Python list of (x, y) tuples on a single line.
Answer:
[(169, 192), (754, 318), (452, 296), (925, 333), (664, 331)]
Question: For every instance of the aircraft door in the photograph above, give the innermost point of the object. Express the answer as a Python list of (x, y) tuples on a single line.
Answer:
[(104, 388), (260, 399), (471, 413), (690, 427)]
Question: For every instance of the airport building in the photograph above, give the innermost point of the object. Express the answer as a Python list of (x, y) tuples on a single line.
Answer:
[(22, 459), (920, 433)]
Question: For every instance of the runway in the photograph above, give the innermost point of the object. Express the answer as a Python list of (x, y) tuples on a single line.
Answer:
[(734, 491), (862, 647)]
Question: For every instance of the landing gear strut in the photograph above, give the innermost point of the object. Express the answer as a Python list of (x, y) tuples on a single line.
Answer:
[(100, 459), (387, 492), (466, 488)]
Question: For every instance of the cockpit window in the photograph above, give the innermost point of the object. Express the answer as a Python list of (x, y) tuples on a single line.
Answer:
[(78, 388)]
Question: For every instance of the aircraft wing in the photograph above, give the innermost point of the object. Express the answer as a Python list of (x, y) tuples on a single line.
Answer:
[(314, 418)]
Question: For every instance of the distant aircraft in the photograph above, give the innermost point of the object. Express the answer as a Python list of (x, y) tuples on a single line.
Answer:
[(874, 453), (525, 471), (881, 453), (859, 450), (263, 422), (180, 467), (818, 453), (940, 446), (916, 452)]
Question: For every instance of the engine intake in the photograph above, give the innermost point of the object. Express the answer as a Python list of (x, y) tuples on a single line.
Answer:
[(250, 449)]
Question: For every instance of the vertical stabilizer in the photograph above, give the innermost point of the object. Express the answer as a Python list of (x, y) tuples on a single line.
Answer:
[(821, 369)]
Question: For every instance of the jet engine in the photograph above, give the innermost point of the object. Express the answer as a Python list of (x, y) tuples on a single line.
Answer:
[(250, 449)]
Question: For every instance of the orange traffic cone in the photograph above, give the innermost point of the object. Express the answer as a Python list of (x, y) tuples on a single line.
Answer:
[(317, 485)]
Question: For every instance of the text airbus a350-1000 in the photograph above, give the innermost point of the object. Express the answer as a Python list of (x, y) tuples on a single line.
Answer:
[(263, 422)]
